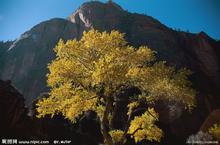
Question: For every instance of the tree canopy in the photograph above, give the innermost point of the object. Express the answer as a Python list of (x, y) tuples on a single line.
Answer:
[(90, 74)]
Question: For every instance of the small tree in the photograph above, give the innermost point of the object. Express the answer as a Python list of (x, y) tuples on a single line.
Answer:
[(90, 74)]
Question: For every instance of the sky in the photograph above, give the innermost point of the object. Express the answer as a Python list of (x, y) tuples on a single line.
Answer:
[(18, 16)]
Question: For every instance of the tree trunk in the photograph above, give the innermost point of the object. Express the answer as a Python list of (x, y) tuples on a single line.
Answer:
[(105, 123)]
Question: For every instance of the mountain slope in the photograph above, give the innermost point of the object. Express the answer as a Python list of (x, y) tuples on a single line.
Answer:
[(27, 58), (3, 50)]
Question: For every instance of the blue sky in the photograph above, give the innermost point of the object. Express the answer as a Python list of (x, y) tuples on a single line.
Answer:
[(18, 16)]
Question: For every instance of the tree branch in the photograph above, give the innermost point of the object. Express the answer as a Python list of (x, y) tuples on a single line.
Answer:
[(136, 131)]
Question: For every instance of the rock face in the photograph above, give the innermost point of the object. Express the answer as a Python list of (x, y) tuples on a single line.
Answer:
[(3, 50), (12, 111), (25, 61)]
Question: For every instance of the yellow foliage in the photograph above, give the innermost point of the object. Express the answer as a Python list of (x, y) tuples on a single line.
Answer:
[(143, 127), (71, 102), (86, 74), (164, 83), (131, 107), (215, 131), (116, 135)]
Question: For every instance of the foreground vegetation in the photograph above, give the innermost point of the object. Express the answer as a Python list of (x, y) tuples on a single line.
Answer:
[(94, 74)]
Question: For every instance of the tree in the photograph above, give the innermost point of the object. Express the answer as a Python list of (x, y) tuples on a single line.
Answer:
[(90, 74)]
